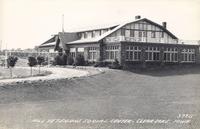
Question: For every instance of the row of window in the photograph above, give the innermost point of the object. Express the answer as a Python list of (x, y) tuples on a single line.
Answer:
[(112, 47), (133, 53), (92, 34), (142, 26), (132, 33)]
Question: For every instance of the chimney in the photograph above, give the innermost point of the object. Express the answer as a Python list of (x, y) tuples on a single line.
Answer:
[(137, 17), (164, 24)]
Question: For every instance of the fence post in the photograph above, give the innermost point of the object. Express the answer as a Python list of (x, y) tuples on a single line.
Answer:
[(6, 56), (48, 59)]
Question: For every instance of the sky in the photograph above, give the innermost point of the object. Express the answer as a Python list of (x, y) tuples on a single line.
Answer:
[(27, 23)]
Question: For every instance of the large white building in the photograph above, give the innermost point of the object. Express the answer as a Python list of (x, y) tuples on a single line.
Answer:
[(136, 42)]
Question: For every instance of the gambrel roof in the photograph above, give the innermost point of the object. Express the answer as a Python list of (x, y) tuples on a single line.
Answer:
[(72, 37), (101, 37)]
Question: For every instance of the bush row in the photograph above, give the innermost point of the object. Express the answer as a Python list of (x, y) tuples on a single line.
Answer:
[(63, 59)]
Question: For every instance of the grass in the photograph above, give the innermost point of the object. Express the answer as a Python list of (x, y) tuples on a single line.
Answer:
[(20, 73), (116, 94)]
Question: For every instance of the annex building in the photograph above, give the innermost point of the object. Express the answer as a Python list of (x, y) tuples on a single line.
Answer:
[(135, 42)]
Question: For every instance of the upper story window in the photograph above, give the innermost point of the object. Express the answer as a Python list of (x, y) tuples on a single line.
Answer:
[(141, 26), (93, 34), (162, 34), (140, 34), (153, 34), (153, 27), (122, 32), (127, 33), (132, 33), (85, 35), (144, 34)]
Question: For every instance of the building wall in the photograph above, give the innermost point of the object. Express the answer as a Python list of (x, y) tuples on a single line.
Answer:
[(90, 48), (167, 53), (141, 32), (146, 53)]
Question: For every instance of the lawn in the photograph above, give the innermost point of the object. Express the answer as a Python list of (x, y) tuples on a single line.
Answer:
[(115, 94), (19, 72)]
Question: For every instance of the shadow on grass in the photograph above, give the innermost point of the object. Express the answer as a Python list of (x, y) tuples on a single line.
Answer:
[(171, 70)]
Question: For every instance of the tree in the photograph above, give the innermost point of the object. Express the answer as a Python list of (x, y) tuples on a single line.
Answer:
[(40, 60), (32, 62), (11, 61)]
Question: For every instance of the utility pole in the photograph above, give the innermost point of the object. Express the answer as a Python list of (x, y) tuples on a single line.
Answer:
[(0, 45), (63, 23)]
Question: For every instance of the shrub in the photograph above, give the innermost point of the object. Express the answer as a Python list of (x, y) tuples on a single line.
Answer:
[(80, 60), (64, 59), (99, 63), (40, 61), (32, 62), (11, 61), (70, 60), (59, 60), (115, 65)]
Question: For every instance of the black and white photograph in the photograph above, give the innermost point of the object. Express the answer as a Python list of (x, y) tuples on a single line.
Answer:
[(99, 64)]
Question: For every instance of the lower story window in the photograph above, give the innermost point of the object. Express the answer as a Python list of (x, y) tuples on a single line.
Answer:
[(73, 54), (171, 57), (112, 55), (152, 56), (188, 57), (92, 56), (92, 53), (112, 52), (133, 53)]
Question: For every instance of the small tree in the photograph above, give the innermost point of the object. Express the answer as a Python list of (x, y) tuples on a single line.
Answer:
[(40, 60), (32, 62), (11, 61)]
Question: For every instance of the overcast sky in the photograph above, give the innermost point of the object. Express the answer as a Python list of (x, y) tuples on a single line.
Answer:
[(26, 23)]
